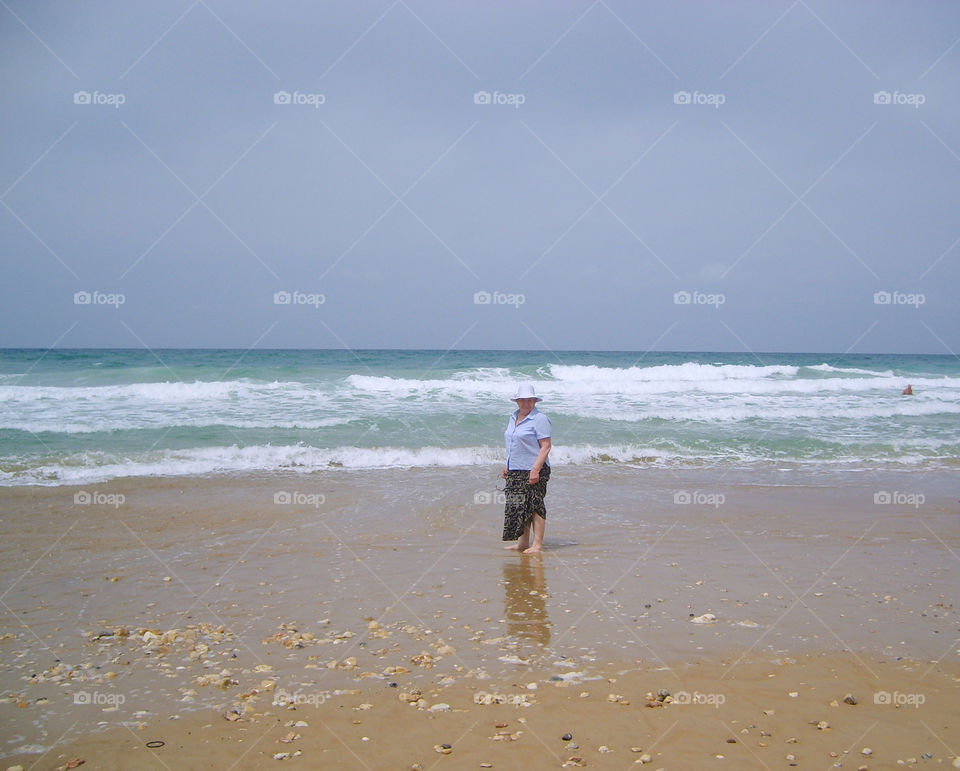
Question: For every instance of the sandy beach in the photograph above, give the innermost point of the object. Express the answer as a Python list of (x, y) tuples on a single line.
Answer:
[(366, 619)]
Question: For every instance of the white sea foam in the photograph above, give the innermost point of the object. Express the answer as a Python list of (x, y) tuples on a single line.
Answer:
[(850, 370), (687, 372), (591, 380), (91, 467), (100, 466), (152, 393)]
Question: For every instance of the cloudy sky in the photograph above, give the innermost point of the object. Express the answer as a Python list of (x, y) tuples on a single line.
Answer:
[(703, 176)]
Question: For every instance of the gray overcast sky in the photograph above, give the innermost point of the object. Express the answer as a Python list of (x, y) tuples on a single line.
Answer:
[(781, 194)]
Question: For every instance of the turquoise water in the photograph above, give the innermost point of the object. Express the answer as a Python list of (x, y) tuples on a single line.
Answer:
[(71, 416)]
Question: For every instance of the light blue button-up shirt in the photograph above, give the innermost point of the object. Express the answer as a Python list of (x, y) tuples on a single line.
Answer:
[(523, 439)]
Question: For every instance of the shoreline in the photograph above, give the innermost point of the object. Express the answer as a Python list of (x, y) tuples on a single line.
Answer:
[(186, 585)]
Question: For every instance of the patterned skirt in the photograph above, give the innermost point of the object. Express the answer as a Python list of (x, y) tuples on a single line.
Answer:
[(523, 500)]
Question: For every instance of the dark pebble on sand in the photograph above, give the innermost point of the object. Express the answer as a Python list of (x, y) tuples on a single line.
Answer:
[(567, 737), (393, 685)]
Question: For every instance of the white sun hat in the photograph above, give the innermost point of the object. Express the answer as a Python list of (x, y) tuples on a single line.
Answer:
[(525, 391)]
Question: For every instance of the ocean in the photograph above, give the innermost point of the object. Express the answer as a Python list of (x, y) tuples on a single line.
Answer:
[(82, 416)]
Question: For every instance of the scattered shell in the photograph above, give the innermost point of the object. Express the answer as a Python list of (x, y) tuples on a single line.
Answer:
[(850, 699), (706, 618), (443, 749), (515, 699)]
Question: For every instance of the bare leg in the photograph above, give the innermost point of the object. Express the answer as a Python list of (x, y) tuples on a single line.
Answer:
[(524, 541), (539, 524)]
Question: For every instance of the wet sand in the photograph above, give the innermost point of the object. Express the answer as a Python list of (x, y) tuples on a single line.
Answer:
[(774, 714), (198, 598)]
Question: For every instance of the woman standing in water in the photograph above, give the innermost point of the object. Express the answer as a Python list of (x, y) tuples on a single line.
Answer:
[(526, 473)]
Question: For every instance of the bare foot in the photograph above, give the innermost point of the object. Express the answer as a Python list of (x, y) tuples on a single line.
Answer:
[(532, 550), (516, 547)]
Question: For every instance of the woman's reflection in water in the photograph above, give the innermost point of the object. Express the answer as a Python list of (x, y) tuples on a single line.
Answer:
[(525, 599)]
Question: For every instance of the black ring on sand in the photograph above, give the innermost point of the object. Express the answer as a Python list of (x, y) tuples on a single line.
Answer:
[(155, 744)]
